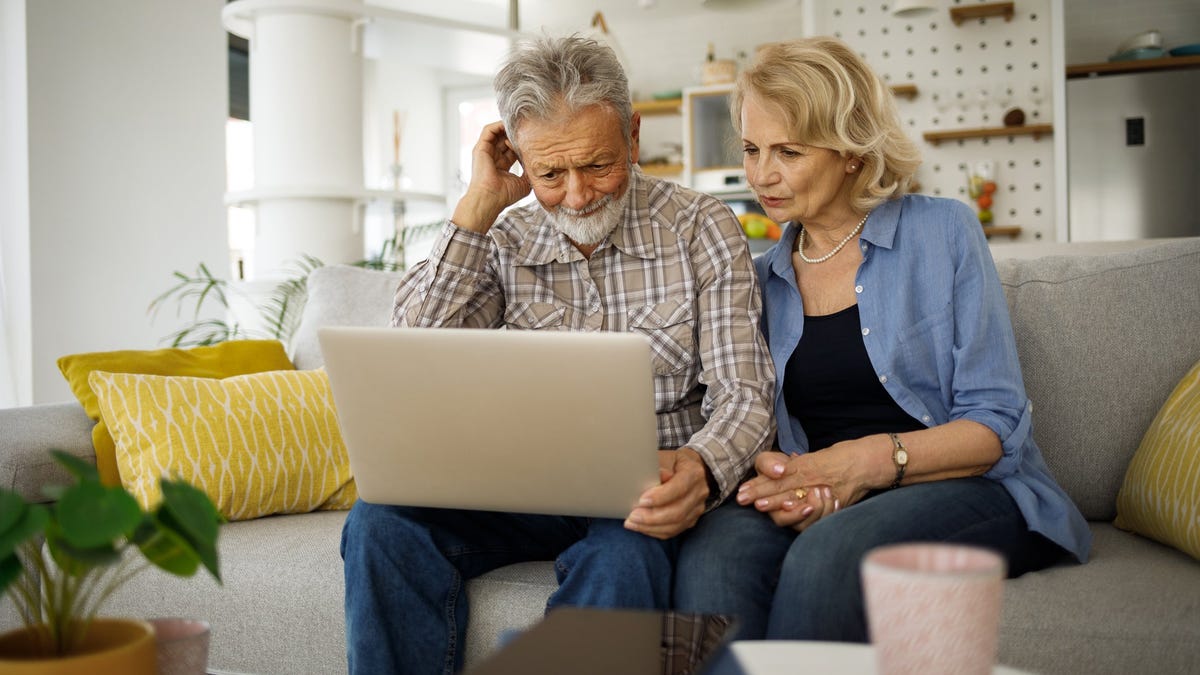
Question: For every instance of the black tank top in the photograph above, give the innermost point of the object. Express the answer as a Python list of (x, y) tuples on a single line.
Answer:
[(831, 388)]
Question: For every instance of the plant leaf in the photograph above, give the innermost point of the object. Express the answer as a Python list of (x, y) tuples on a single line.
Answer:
[(11, 509), (166, 549), (92, 515), (76, 560), (32, 520), (79, 468), (190, 513), (10, 570)]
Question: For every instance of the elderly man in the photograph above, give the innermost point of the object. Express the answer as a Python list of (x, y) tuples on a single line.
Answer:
[(605, 248)]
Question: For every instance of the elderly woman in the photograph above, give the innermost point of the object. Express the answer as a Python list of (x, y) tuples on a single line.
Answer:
[(900, 408)]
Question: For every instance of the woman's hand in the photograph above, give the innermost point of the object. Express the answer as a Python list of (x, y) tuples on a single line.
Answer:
[(798, 490)]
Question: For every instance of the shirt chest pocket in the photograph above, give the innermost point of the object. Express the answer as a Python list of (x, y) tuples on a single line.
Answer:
[(534, 315), (671, 327)]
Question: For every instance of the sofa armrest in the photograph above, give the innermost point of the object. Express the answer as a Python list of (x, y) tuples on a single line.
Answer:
[(27, 434)]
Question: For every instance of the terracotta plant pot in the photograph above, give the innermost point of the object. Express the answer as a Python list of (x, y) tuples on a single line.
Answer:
[(111, 646)]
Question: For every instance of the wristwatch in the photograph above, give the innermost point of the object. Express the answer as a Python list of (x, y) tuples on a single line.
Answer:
[(899, 458)]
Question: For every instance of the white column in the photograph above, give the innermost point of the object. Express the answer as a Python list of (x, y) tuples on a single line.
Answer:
[(306, 103)]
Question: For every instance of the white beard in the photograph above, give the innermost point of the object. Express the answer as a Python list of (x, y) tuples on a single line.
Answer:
[(604, 215)]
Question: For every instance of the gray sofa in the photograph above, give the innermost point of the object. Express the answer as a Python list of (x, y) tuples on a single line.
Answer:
[(1104, 333)]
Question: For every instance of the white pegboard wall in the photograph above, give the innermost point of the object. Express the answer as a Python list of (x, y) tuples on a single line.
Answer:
[(966, 76)]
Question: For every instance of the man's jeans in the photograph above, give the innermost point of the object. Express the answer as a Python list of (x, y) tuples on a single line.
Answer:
[(781, 585), (406, 609)]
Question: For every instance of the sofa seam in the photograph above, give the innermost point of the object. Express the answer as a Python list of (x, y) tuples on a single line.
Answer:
[(1088, 275)]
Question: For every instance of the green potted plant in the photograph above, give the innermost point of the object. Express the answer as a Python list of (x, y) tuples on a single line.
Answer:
[(92, 536)]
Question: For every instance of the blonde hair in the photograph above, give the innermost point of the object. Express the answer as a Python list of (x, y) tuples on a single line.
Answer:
[(830, 98)]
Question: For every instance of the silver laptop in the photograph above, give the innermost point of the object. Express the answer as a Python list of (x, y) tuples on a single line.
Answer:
[(498, 420)]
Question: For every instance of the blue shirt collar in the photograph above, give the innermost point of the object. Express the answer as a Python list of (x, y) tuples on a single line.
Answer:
[(879, 230)]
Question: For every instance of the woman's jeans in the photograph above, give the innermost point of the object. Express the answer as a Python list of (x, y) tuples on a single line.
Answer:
[(783, 585), (406, 609)]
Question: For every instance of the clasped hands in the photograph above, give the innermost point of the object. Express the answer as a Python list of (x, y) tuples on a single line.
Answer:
[(794, 490)]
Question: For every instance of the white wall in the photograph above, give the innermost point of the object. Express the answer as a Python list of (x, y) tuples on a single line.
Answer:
[(15, 337), (126, 108)]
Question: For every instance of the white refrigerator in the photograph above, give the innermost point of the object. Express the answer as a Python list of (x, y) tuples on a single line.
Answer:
[(1133, 153)]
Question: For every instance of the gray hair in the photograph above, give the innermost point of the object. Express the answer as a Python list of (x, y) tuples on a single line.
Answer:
[(546, 75)]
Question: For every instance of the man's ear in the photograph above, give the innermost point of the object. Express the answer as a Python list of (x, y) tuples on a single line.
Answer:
[(635, 129)]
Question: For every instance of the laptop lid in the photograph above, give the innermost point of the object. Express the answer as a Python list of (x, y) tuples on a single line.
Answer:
[(500, 420)]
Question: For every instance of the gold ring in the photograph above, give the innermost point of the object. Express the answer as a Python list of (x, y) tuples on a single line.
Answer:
[(800, 493)]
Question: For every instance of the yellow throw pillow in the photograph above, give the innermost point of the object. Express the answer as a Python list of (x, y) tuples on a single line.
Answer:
[(236, 357), (256, 444), (1160, 497)]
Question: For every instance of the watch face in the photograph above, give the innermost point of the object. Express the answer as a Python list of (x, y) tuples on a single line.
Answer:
[(902, 457)]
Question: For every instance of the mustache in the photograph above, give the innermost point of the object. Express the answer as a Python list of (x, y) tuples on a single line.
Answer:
[(588, 208)]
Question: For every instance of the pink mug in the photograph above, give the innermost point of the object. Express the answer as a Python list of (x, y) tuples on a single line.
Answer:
[(933, 608)]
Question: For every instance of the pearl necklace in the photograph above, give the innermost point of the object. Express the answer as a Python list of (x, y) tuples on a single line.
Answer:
[(812, 261)]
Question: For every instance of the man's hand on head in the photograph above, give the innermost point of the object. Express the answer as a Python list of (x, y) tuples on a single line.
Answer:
[(675, 504), (493, 187)]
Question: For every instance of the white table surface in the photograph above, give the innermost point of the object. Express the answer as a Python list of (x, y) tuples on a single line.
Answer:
[(795, 657)]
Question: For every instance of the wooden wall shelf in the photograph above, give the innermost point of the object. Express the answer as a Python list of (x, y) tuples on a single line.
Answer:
[(662, 169), (961, 14), (1136, 66), (1001, 230), (908, 91), (1035, 130), (666, 106)]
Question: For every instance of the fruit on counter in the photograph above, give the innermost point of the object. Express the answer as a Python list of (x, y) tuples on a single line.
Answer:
[(758, 226)]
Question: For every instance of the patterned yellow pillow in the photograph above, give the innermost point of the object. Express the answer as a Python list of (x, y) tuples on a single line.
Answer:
[(257, 444), (226, 359), (1160, 497)]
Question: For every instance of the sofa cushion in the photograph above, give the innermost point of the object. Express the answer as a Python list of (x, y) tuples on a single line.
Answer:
[(223, 360), (1134, 603), (1102, 341), (282, 578), (342, 295), (257, 444), (1160, 497)]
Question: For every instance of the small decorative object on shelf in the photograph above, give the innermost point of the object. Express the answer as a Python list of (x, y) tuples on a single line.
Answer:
[(982, 11), (908, 91), (981, 187)]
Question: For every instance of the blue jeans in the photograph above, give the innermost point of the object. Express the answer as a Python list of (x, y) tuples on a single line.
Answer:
[(782, 585), (405, 568)]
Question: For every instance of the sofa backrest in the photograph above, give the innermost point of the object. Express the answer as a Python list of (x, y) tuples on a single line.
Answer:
[(342, 295), (1103, 339)]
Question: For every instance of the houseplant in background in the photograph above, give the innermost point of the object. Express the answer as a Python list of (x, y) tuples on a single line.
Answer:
[(93, 535), (278, 315)]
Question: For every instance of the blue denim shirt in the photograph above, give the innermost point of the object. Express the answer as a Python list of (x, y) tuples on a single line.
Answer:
[(936, 328)]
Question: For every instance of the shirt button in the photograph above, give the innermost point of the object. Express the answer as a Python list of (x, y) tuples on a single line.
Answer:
[(858, 289), (883, 379), (866, 331), (925, 418)]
